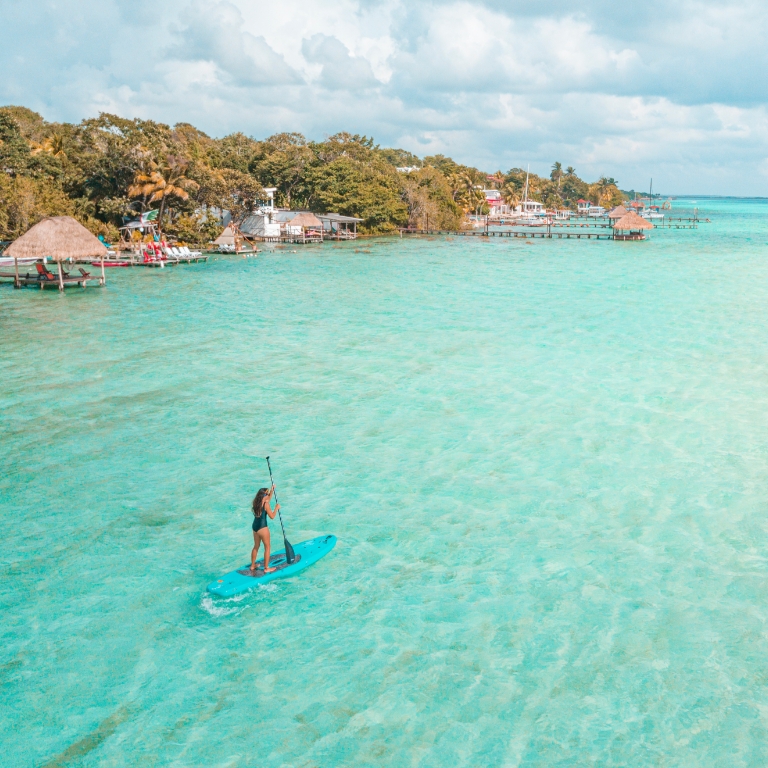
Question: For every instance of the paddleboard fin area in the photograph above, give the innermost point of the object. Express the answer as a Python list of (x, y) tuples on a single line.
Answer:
[(240, 580)]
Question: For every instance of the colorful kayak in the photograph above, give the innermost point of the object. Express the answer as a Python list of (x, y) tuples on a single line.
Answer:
[(243, 579)]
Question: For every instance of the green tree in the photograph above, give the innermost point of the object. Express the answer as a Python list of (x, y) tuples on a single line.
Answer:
[(429, 198), (162, 183), (283, 161), (400, 158), (25, 200), (605, 192), (354, 188)]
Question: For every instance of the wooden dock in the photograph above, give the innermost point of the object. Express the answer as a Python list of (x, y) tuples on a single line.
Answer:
[(581, 228), (79, 273), (533, 233), (35, 281), (132, 260)]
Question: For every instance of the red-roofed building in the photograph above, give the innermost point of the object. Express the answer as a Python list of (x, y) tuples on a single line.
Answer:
[(495, 202)]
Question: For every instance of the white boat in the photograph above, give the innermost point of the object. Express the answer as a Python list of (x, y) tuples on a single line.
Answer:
[(652, 215), (530, 213), (562, 215), (652, 212), (7, 261)]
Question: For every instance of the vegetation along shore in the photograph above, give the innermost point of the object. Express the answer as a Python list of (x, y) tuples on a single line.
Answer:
[(107, 170)]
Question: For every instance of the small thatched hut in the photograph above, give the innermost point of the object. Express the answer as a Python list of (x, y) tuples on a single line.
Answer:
[(618, 212), (306, 227), (60, 238), (630, 227), (306, 221)]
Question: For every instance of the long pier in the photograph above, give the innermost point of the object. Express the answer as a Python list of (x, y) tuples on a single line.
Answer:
[(130, 259), (581, 228), (595, 222), (510, 233)]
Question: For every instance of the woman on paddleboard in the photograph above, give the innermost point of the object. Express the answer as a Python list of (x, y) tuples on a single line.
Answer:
[(261, 510)]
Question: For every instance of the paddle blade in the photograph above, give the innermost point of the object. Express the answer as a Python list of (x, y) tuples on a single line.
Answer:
[(289, 554)]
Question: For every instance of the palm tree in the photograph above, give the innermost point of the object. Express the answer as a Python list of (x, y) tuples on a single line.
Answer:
[(465, 193), (161, 183), (570, 171), (557, 173), (53, 145), (511, 194), (603, 186), (497, 179)]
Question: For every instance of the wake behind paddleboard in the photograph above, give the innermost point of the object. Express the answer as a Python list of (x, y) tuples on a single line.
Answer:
[(243, 579)]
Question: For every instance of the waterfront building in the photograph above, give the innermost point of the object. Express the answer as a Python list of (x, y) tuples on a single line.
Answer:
[(495, 202)]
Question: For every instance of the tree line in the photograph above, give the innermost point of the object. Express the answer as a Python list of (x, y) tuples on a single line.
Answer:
[(107, 170)]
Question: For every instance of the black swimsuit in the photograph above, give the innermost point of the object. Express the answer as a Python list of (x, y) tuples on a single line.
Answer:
[(260, 521)]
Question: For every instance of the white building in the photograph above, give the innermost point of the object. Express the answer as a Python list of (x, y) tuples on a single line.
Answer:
[(531, 208)]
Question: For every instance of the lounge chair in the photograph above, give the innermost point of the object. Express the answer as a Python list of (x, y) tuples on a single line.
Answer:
[(44, 274), (177, 253), (85, 274)]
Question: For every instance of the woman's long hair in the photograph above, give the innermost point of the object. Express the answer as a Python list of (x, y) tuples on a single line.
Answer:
[(258, 502)]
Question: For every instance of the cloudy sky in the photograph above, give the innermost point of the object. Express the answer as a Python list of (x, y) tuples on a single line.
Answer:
[(674, 91)]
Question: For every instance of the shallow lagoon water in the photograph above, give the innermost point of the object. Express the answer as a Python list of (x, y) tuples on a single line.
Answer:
[(546, 464)]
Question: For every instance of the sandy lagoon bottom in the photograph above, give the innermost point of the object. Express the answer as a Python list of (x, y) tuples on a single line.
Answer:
[(545, 464)]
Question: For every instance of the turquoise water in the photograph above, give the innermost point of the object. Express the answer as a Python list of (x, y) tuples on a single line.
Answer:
[(546, 464)]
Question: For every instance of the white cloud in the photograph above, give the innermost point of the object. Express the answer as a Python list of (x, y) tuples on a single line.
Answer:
[(339, 70), (673, 91), (216, 33)]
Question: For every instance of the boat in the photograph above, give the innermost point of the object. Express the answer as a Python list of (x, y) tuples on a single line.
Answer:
[(652, 212), (7, 261), (531, 213), (112, 263)]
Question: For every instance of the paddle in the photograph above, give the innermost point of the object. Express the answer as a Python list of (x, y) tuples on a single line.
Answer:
[(289, 555)]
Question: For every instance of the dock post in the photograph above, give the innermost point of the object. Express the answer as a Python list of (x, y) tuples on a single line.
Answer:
[(16, 283), (103, 276), (61, 276)]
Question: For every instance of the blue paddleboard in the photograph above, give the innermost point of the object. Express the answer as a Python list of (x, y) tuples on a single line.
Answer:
[(243, 579)]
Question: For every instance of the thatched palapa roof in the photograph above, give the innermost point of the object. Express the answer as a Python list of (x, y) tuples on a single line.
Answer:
[(306, 221), (617, 212), (632, 221), (59, 238)]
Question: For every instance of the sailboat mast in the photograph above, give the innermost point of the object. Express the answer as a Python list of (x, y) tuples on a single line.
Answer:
[(525, 193)]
